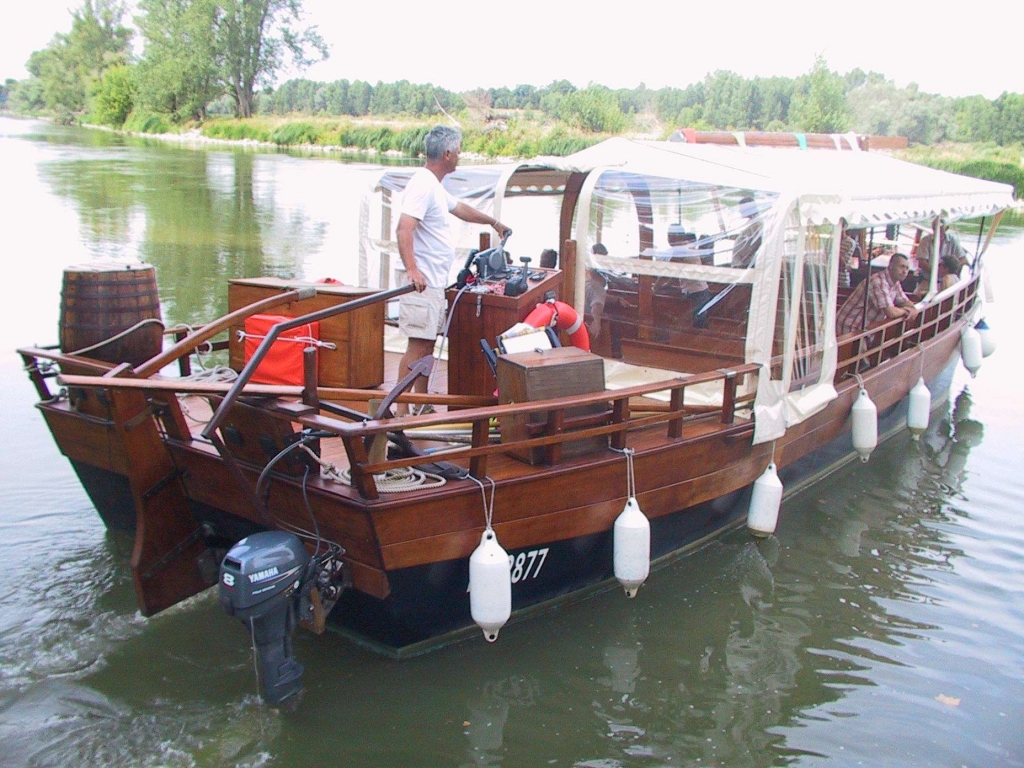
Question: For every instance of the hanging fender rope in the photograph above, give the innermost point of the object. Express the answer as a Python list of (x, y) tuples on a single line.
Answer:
[(630, 472), (488, 507)]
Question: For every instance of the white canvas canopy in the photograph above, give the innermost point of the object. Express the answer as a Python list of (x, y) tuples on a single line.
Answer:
[(862, 187), (813, 192), (802, 198)]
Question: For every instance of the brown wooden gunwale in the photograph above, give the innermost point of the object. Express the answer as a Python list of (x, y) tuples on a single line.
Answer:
[(384, 534), (419, 527)]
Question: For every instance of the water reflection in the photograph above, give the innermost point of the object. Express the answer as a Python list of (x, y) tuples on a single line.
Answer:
[(200, 218)]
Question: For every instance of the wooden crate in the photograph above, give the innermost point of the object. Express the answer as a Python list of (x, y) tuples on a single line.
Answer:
[(358, 360), (543, 375)]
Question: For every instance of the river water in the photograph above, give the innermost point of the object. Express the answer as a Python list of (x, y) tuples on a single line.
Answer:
[(882, 625)]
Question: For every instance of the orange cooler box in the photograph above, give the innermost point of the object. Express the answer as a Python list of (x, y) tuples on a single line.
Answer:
[(283, 363)]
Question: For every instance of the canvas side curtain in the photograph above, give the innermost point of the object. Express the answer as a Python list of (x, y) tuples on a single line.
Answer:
[(793, 314)]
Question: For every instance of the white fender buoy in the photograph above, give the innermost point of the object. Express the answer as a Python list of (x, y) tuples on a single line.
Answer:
[(631, 540), (865, 425), (970, 350), (988, 339), (765, 500), (490, 586), (919, 408)]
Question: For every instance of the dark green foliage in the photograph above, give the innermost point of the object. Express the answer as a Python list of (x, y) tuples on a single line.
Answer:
[(819, 103), (594, 109), (235, 131), (178, 74), (68, 70), (993, 170), (560, 143), (1009, 125), (410, 140), (291, 134), (114, 97), (378, 137), (358, 99), (142, 122), (727, 99), (195, 50)]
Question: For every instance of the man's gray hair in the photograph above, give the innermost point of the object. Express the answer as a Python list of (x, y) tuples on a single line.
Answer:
[(441, 139)]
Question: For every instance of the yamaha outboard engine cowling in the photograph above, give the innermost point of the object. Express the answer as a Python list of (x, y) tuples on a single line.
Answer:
[(260, 583)]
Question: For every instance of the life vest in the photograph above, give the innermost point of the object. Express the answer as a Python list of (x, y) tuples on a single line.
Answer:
[(560, 315)]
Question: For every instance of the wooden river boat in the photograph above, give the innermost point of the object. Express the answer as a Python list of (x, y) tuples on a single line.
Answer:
[(708, 362)]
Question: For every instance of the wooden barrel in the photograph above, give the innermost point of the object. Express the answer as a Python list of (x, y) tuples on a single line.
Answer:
[(99, 301)]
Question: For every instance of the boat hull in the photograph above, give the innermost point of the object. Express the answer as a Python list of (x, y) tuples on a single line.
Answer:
[(429, 605), (422, 605)]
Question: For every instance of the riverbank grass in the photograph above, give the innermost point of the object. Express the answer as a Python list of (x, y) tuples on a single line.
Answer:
[(515, 136), (981, 161)]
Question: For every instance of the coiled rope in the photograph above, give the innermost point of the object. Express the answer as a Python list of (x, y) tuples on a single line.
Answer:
[(391, 481)]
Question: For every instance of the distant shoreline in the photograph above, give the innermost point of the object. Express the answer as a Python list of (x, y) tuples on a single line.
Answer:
[(196, 137)]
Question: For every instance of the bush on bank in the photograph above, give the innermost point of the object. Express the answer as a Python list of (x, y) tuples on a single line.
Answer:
[(980, 161)]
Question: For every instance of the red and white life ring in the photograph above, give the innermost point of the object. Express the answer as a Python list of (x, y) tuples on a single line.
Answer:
[(560, 315)]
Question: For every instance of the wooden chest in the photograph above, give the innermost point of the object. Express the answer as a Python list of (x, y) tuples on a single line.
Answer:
[(358, 360), (543, 375)]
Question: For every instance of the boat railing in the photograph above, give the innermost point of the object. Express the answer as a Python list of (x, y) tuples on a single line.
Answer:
[(873, 346), (556, 427), (246, 374), (43, 363)]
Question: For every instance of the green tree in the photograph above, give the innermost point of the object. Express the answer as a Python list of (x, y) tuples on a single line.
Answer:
[(925, 118), (1010, 123), (26, 96), (727, 98), (594, 109), (69, 68), (820, 104), (551, 96), (359, 95), (875, 105), (772, 98), (254, 39), (115, 96), (178, 74), (678, 106), (974, 119), (525, 97)]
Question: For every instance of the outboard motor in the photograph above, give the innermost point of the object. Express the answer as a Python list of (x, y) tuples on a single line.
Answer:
[(261, 583)]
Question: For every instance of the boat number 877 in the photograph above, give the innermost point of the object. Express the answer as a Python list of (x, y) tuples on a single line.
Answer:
[(527, 565)]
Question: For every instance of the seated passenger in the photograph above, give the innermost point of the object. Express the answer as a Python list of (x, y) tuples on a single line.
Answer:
[(596, 295), (748, 242), (885, 299), (949, 245), (705, 247), (681, 249), (849, 249), (597, 300), (917, 282), (949, 271)]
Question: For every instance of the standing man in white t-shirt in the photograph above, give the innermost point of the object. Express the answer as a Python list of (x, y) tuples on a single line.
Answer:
[(426, 247)]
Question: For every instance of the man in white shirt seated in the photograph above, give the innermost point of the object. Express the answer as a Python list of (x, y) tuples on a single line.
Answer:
[(681, 249)]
